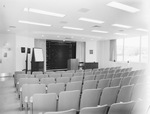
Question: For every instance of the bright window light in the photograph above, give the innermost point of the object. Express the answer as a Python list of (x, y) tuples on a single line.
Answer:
[(120, 34), (33, 23), (140, 29), (121, 26), (91, 20), (43, 12), (66, 27), (123, 7), (99, 31)]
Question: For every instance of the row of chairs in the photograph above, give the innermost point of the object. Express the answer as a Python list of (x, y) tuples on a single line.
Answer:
[(98, 74), (107, 96), (116, 108), (89, 98), (90, 80)]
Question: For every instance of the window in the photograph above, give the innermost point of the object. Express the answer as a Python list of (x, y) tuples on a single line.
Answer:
[(132, 49), (119, 49), (144, 49)]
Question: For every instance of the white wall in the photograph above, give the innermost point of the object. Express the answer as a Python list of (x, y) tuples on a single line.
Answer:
[(91, 45), (27, 42), (80, 51), (7, 53), (103, 48)]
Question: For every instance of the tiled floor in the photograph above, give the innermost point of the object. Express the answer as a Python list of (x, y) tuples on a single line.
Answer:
[(9, 103)]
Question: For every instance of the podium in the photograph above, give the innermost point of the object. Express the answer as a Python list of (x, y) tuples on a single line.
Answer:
[(73, 64)]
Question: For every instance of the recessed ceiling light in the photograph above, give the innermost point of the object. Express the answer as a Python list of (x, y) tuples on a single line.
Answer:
[(122, 26), (90, 20), (140, 29), (99, 31), (33, 23), (66, 27), (120, 34), (43, 12), (123, 7)]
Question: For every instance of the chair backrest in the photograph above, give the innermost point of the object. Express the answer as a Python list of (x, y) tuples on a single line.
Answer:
[(44, 103), (100, 76), (117, 75), (88, 73), (109, 95), (56, 88), (90, 98), (37, 72), (124, 74), (109, 75), (115, 82), (105, 72), (131, 73), (90, 84), (76, 78), (27, 81), (71, 111), (139, 92), (39, 76), (103, 83), (125, 93), (47, 81), (68, 100), (32, 81), (74, 86), (112, 71), (31, 89), (125, 81), (67, 74), (89, 77), (121, 108), (63, 80), (55, 75), (94, 110), (134, 80), (79, 74), (141, 107)]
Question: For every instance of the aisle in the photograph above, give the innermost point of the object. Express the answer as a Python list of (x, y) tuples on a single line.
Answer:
[(9, 103)]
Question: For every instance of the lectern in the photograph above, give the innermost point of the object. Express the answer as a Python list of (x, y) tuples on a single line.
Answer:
[(73, 64)]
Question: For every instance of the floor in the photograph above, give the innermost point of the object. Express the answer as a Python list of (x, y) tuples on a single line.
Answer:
[(9, 102)]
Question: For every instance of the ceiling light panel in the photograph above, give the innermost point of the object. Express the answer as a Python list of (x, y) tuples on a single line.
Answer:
[(33, 23), (43, 12), (121, 26), (90, 20), (123, 7), (99, 31), (140, 29), (121, 34), (73, 28)]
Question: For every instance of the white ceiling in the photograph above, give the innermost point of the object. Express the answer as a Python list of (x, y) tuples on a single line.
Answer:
[(11, 11)]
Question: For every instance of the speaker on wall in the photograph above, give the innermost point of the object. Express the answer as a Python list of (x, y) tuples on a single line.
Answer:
[(28, 50), (22, 49)]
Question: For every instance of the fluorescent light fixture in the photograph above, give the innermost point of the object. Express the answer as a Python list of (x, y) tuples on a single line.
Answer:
[(140, 29), (123, 7), (65, 27), (33, 23), (43, 12), (120, 34), (99, 31), (122, 26), (91, 20)]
